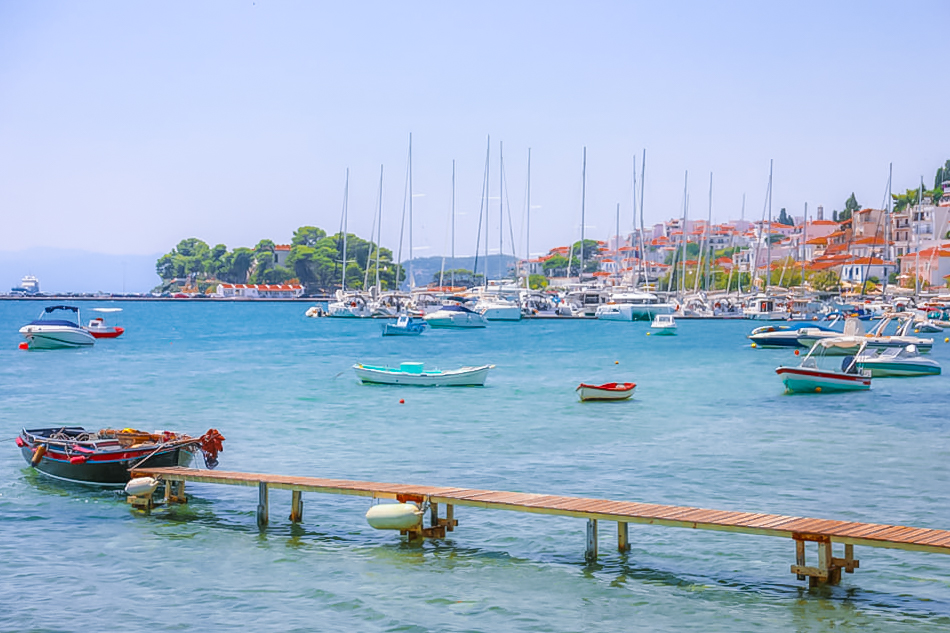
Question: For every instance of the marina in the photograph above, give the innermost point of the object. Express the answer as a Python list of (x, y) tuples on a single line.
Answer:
[(689, 439)]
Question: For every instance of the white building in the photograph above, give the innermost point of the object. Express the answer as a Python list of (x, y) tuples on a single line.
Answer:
[(259, 291)]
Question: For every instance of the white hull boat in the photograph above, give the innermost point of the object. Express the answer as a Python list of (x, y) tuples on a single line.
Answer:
[(499, 310), (607, 391), (455, 316), (663, 325), (49, 333), (415, 374), (892, 361), (614, 312), (810, 377)]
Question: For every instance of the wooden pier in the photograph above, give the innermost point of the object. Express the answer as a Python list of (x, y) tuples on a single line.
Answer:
[(823, 532)]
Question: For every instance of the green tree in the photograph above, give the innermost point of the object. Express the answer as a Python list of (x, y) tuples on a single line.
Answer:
[(537, 282), (784, 218), (307, 236), (555, 266), (824, 280), (851, 206), (943, 173)]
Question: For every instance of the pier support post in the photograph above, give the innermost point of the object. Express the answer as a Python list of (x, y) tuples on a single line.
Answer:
[(450, 521), (262, 517), (591, 554), (828, 570), (433, 514), (623, 540), (296, 506)]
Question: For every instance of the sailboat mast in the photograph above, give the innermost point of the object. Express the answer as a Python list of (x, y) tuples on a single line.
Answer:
[(453, 222), (682, 283), (707, 246), (527, 239), (643, 166), (501, 207), (617, 238), (887, 226), (346, 193), (920, 217), (768, 238), (379, 228), (487, 196), (580, 272), (804, 240), (412, 278)]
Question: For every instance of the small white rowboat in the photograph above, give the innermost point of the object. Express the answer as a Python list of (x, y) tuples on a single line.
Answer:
[(414, 374), (607, 391)]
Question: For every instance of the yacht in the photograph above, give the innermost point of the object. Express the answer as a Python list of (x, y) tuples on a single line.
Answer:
[(455, 316), (633, 305), (49, 332), (349, 305)]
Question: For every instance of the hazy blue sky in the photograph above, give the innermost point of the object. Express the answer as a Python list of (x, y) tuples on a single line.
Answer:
[(126, 126)]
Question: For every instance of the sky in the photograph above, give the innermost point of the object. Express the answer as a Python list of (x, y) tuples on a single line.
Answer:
[(126, 127)]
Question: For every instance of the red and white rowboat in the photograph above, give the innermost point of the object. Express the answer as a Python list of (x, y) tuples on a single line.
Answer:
[(607, 391), (98, 328)]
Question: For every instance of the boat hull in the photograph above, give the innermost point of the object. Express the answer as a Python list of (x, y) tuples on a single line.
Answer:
[(113, 332), (899, 369), (810, 380), (44, 337), (103, 469), (440, 319), (663, 331), (464, 377), (618, 391)]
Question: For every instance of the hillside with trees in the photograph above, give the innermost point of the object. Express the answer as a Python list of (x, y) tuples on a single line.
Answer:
[(315, 260)]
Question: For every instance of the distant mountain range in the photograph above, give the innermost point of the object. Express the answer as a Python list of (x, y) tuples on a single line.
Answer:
[(425, 269), (63, 270)]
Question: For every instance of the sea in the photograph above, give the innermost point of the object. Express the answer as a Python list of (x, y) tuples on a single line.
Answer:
[(709, 426)]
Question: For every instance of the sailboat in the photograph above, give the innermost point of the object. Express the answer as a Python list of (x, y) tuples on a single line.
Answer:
[(353, 304)]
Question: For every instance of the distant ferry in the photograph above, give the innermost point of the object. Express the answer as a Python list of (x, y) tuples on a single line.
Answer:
[(29, 285)]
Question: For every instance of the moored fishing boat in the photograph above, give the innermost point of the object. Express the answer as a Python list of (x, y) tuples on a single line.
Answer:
[(811, 377), (105, 457), (416, 374), (606, 391)]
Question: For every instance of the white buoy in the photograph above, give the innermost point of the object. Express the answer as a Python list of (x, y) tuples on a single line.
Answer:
[(141, 486), (394, 516)]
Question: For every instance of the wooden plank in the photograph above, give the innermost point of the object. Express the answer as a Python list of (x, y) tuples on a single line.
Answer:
[(848, 532)]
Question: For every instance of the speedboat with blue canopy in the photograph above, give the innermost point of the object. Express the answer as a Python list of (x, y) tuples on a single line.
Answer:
[(50, 331)]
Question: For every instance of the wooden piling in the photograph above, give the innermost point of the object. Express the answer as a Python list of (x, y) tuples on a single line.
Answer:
[(296, 506), (591, 553), (262, 495), (623, 540)]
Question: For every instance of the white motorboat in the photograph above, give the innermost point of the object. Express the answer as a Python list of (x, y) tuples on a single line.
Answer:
[(100, 329), (416, 374), (663, 325), (897, 361), (853, 330), (614, 312), (498, 309), (455, 316), (811, 377), (763, 308), (47, 332)]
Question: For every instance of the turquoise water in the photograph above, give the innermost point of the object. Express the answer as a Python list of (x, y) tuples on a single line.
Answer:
[(709, 426)]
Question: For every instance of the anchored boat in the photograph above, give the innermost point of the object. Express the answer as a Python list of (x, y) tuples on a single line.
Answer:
[(405, 325), (48, 332), (897, 361), (415, 374), (607, 391), (811, 377), (105, 457), (663, 325), (98, 327)]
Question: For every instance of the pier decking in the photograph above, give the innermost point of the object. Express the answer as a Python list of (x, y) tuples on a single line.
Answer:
[(823, 532)]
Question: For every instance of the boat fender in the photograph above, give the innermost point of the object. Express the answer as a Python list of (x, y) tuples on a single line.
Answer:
[(394, 516), (38, 455), (20, 442), (77, 459), (141, 486)]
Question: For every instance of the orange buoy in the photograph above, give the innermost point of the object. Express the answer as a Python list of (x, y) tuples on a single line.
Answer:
[(24, 345), (797, 352), (38, 455), (77, 459), (616, 362), (754, 346), (817, 389)]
